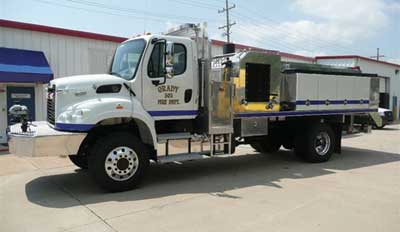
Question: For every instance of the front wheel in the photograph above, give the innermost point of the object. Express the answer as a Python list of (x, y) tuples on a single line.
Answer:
[(317, 144), (118, 162), (79, 160)]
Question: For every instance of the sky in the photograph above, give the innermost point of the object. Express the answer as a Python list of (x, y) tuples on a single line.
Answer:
[(304, 27)]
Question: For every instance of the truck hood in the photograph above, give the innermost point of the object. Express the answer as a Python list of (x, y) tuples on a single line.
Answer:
[(86, 81)]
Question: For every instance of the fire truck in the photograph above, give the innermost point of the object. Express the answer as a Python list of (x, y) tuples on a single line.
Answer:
[(168, 87)]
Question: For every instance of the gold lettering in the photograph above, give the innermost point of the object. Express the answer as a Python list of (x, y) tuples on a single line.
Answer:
[(173, 102)]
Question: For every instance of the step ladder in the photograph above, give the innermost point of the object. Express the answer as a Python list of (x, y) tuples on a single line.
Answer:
[(220, 144)]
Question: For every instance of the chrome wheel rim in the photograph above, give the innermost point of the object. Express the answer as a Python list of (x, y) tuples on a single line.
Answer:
[(322, 143), (121, 163)]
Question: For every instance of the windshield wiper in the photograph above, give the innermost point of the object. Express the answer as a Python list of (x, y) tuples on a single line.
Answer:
[(129, 89)]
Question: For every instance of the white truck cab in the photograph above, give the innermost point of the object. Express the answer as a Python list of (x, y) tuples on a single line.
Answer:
[(167, 87)]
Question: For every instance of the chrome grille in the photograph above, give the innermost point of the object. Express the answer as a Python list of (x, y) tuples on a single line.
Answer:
[(51, 102)]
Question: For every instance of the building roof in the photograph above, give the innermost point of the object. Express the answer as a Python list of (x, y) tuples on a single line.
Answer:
[(60, 31), (117, 39), (283, 54), (356, 57)]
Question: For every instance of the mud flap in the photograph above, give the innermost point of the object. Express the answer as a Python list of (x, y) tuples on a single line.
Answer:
[(338, 128)]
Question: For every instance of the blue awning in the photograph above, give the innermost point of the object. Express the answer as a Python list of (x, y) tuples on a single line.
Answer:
[(24, 66)]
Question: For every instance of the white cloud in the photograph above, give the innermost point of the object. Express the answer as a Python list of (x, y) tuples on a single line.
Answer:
[(310, 53), (334, 25), (170, 25)]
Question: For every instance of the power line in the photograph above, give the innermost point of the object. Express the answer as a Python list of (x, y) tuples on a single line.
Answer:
[(228, 25), (131, 13), (298, 36), (263, 27), (130, 10), (195, 4)]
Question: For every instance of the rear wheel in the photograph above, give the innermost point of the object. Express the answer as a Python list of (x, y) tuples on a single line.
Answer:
[(79, 160), (118, 162), (316, 145)]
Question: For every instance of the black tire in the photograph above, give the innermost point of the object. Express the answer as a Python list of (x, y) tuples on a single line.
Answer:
[(98, 161), (79, 160), (306, 144), (267, 145)]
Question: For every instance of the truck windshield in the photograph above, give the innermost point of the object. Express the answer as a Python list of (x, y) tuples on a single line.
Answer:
[(127, 59)]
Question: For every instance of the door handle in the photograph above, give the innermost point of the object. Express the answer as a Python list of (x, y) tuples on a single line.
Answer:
[(188, 95)]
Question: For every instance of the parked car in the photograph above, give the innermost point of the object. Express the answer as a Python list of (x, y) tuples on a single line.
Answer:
[(387, 117)]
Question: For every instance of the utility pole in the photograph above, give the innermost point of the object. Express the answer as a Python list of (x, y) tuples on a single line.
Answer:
[(228, 25), (378, 55)]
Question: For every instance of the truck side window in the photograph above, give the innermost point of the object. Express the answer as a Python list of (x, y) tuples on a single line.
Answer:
[(180, 57), (156, 64)]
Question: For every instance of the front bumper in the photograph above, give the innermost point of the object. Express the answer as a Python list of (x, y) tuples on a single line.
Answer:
[(42, 140)]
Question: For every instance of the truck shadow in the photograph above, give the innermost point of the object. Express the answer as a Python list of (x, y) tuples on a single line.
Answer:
[(213, 176)]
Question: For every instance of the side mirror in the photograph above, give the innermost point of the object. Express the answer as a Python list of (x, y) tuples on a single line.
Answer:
[(169, 59)]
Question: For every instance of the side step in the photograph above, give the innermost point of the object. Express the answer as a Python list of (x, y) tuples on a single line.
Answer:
[(182, 158), (162, 138)]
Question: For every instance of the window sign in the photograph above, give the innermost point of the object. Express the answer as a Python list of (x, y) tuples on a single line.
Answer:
[(21, 96)]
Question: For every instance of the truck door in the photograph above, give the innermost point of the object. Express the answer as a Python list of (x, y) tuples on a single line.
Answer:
[(176, 98)]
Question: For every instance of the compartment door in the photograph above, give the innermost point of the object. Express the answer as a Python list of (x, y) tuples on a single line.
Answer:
[(307, 92), (327, 86)]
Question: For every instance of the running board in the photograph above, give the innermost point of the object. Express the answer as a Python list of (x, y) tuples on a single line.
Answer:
[(182, 158), (162, 138)]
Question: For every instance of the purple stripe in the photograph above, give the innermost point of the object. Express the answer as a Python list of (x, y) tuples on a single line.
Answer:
[(333, 102), (73, 127), (173, 113), (25, 77), (303, 113)]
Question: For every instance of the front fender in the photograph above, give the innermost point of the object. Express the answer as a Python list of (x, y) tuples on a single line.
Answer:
[(145, 123), (86, 115), (92, 111)]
